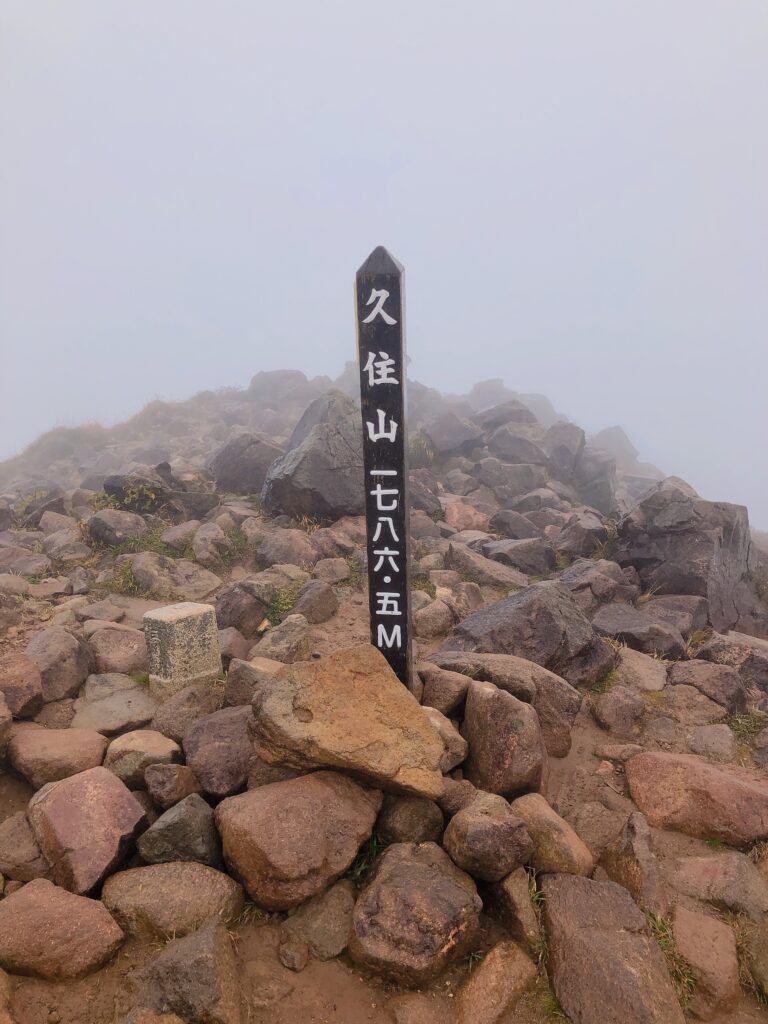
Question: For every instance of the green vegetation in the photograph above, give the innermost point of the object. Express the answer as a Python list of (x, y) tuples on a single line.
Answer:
[(604, 683), (366, 856), (281, 603), (124, 582), (423, 583), (745, 932), (473, 959), (678, 967), (421, 451), (747, 724), (356, 574)]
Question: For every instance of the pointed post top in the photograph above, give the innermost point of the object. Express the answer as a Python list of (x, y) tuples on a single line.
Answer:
[(380, 262)]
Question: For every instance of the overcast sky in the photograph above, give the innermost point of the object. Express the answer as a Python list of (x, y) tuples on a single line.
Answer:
[(578, 190)]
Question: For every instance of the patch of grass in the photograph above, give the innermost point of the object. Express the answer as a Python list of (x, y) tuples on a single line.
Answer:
[(759, 852), (309, 524), (473, 959), (695, 641), (744, 932), (251, 914), (101, 500), (438, 516), (124, 582), (654, 698), (607, 548), (425, 584), (715, 844), (604, 683), (142, 678), (678, 967), (356, 574), (562, 562), (281, 603), (747, 724), (363, 862), (551, 1006), (421, 451), (149, 541), (32, 579), (646, 597)]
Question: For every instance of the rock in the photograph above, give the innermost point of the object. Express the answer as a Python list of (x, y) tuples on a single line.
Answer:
[(463, 516), (541, 624), (246, 677), (185, 832), (332, 570), (20, 684), (511, 900), (23, 562), (128, 755), (747, 654), (233, 646), (638, 671), (715, 742), (556, 847), (182, 647), (84, 826), (630, 861), (709, 946), (323, 922), (241, 465), (53, 934), (20, 856), (720, 683), (555, 701), (595, 479), (482, 570), (487, 839), (112, 703), (724, 879), (690, 707), (435, 619), (288, 642), (595, 582), (195, 977), (293, 954), (6, 727), (112, 527), (349, 711), (414, 1008), (119, 650), (168, 784), (323, 475), (448, 434), (531, 555), (47, 755), (688, 614), (317, 602), (443, 690), (217, 748), (179, 538), (455, 747), (287, 547), (63, 661), (174, 579), (681, 544), (584, 533), (597, 825), (512, 525), (290, 840), (506, 751), (636, 628), (179, 713), (620, 711), (497, 984), (409, 819), (66, 546), (604, 965), (161, 900), (210, 545), (417, 913), (687, 794)]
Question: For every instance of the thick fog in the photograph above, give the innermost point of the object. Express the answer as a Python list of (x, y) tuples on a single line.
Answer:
[(578, 192)]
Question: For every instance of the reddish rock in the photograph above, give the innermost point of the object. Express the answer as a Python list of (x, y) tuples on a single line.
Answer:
[(417, 914), (630, 861), (720, 683), (47, 755), (726, 880), (217, 748), (176, 716), (20, 682), (119, 650), (85, 825), (688, 794), (168, 784), (487, 839), (52, 933), (64, 662), (497, 984), (20, 856), (709, 946), (556, 847), (289, 840)]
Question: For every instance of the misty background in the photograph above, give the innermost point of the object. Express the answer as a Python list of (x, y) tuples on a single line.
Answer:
[(578, 191)]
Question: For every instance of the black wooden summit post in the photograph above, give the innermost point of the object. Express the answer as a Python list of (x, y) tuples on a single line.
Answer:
[(381, 351)]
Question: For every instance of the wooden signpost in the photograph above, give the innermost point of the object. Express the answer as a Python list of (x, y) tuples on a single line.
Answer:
[(381, 352)]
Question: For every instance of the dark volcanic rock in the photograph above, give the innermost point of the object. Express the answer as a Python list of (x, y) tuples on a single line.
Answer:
[(241, 464), (636, 628)]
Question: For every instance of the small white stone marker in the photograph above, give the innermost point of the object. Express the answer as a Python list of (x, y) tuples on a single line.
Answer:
[(182, 647)]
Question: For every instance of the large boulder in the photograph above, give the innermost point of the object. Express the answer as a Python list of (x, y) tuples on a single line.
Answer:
[(681, 544), (241, 464), (541, 624), (288, 841), (639, 629), (323, 475), (112, 527), (63, 659), (47, 755), (688, 794), (50, 933), (417, 914), (20, 684), (171, 579), (604, 965), (84, 826), (349, 711), (170, 899), (487, 839), (555, 845), (217, 748), (20, 857), (112, 703)]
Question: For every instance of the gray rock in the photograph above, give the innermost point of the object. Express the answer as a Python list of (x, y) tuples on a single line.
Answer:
[(63, 659), (112, 703), (241, 464), (636, 628), (317, 602), (185, 831), (112, 527), (323, 922)]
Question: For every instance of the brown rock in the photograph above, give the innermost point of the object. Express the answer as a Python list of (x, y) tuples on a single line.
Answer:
[(168, 784), (349, 711), (497, 984), (720, 683), (620, 711), (245, 677), (130, 754), (20, 683), (180, 712), (119, 650), (51, 933), (84, 826), (324, 922), (414, 1008), (195, 977), (506, 750), (709, 946), (687, 794), (511, 900), (604, 965), (409, 819), (725, 879), (417, 913), (47, 755), (443, 690), (170, 899), (317, 602), (630, 861), (217, 749), (64, 662), (20, 857), (487, 839), (289, 840), (556, 847)]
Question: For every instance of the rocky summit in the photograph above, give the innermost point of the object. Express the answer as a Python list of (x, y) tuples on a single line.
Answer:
[(220, 805)]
